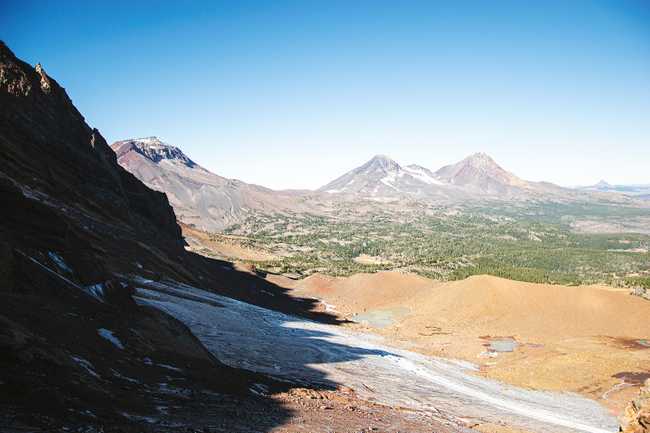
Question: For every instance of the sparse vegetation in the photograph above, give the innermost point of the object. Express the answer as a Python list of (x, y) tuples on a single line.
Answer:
[(535, 243)]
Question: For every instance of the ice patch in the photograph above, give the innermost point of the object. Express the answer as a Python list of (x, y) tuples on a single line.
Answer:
[(89, 413), (147, 419), (494, 399), (259, 389), (108, 335), (86, 365), (58, 260), (96, 291), (123, 377), (169, 367)]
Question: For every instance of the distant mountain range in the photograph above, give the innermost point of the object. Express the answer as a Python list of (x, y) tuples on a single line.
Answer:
[(212, 202), (639, 191), (476, 175)]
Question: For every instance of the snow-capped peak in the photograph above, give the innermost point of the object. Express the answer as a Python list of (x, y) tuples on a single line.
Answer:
[(154, 149), (382, 162)]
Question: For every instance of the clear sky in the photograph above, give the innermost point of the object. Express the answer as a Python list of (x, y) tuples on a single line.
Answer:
[(291, 94)]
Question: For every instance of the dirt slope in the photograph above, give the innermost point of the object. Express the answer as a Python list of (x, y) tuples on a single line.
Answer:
[(504, 307), (588, 339)]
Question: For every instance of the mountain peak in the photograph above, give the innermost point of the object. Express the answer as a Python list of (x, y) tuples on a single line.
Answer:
[(153, 148), (480, 159), (481, 172), (381, 162)]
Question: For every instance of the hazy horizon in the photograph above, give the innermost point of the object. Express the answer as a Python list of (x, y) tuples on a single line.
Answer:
[(290, 95)]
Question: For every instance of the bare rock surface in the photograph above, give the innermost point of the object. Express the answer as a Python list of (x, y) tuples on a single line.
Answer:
[(636, 418)]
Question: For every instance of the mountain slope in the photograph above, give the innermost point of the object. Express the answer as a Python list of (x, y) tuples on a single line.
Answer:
[(199, 197), (479, 172)]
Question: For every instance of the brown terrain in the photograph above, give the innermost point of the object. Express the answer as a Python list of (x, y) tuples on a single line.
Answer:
[(592, 340)]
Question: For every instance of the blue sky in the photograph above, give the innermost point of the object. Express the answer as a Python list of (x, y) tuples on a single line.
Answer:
[(290, 94)]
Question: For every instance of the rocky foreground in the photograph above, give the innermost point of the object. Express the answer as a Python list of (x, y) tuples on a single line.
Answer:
[(636, 418)]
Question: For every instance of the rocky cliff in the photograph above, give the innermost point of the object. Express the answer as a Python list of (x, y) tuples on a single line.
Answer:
[(47, 148), (61, 182)]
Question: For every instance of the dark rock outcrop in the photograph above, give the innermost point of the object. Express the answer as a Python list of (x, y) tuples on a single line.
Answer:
[(46, 146)]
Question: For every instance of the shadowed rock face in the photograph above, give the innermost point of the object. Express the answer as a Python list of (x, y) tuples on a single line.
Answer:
[(47, 146)]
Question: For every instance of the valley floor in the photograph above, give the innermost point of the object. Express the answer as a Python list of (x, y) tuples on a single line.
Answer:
[(331, 357), (591, 340)]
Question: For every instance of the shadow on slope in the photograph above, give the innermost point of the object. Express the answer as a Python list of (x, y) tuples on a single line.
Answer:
[(76, 353), (222, 277), (59, 292), (248, 336)]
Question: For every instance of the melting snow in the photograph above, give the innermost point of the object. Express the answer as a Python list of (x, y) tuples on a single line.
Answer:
[(108, 335)]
